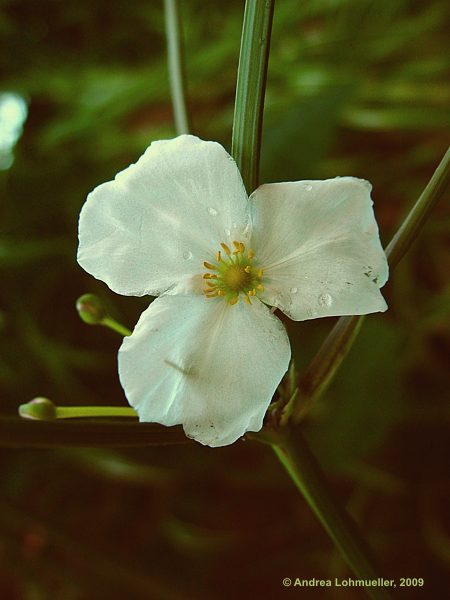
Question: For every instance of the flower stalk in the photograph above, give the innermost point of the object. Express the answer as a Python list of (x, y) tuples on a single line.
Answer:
[(250, 89), (418, 215), (300, 463), (116, 326), (43, 409), (176, 66)]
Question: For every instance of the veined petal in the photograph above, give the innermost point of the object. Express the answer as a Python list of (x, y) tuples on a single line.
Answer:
[(155, 224), (204, 364), (319, 245)]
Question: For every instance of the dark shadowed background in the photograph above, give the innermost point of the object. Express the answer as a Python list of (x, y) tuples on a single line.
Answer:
[(356, 87)]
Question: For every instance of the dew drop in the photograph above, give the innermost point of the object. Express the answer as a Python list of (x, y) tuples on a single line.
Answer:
[(227, 232), (187, 255), (294, 290), (212, 211), (308, 187), (325, 300)]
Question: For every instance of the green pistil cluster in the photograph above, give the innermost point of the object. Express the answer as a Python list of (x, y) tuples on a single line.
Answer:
[(233, 274)]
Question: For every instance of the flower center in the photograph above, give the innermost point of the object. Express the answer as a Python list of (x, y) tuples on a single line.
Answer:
[(233, 273)]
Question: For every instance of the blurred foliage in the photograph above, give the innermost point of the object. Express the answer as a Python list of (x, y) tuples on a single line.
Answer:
[(355, 87)]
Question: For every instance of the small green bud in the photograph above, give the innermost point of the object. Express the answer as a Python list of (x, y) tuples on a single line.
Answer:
[(91, 309), (41, 409)]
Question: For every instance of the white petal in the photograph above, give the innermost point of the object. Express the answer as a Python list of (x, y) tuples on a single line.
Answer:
[(162, 217), (207, 365), (319, 246)]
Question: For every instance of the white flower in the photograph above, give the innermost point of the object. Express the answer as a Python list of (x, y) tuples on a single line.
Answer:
[(209, 353)]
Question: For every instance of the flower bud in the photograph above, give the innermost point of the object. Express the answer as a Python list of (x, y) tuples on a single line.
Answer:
[(41, 409), (91, 309)]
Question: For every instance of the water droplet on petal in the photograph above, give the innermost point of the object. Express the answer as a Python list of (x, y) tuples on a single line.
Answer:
[(187, 255), (325, 300), (294, 290), (308, 187), (227, 232), (212, 211)]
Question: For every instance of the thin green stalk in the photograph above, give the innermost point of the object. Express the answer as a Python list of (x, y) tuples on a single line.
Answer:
[(418, 215), (298, 460), (337, 345), (43, 409), (176, 66), (89, 412), (116, 326), (250, 89)]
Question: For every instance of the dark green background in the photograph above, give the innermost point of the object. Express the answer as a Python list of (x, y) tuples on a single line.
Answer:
[(355, 87)]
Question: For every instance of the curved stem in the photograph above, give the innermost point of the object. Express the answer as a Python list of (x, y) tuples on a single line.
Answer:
[(115, 326), (298, 460), (250, 89), (176, 66)]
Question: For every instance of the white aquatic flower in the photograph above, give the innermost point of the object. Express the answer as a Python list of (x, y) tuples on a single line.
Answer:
[(209, 353)]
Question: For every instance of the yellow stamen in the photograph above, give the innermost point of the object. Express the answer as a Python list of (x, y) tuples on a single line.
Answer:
[(226, 249), (230, 277)]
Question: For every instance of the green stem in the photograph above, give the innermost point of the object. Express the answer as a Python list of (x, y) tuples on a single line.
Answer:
[(250, 89), (115, 326), (43, 409), (418, 215), (298, 460), (81, 412), (337, 345), (176, 66)]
